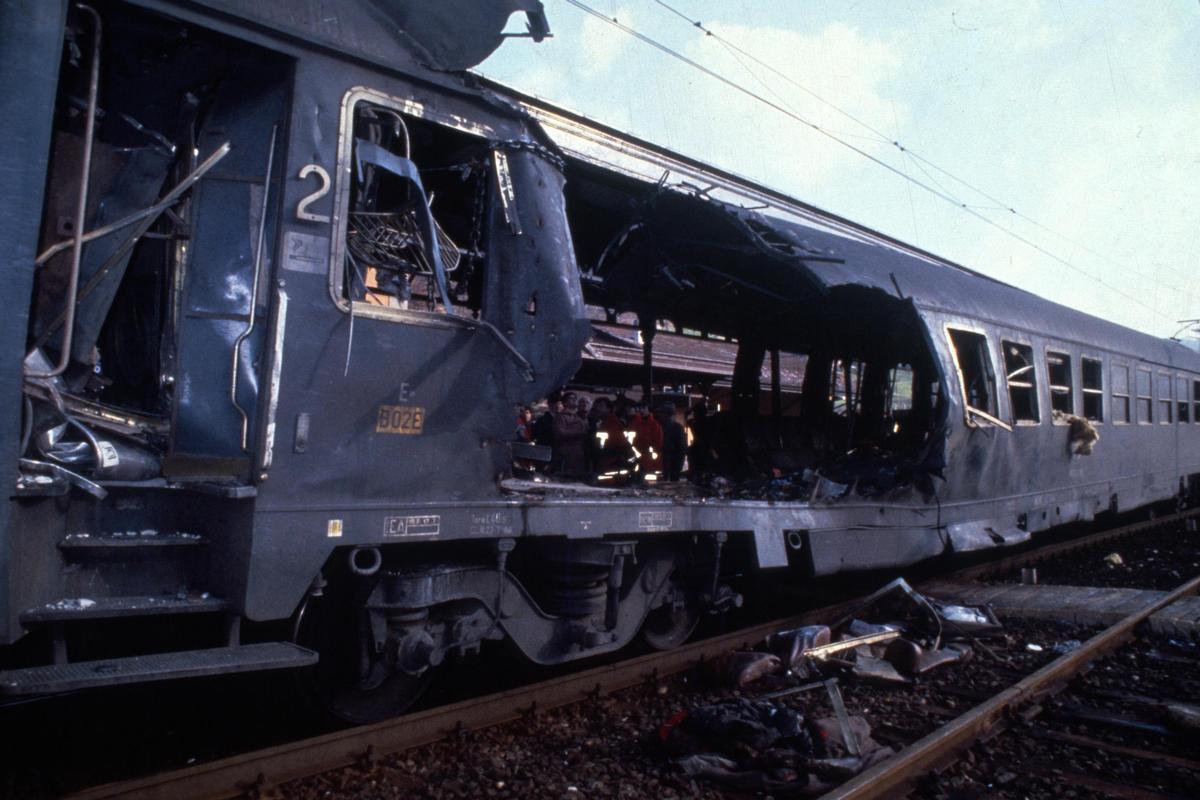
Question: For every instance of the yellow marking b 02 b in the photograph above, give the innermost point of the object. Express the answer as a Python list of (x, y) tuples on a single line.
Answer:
[(400, 419)]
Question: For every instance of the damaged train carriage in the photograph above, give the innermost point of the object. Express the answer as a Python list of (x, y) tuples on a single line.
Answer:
[(290, 276), (976, 407)]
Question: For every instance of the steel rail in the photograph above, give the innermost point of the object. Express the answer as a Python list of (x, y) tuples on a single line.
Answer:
[(237, 775), (887, 779)]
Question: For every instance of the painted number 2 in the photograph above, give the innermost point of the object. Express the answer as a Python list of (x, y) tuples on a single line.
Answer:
[(302, 211)]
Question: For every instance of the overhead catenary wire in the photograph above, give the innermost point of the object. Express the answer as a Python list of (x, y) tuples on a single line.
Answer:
[(916, 157), (874, 159)]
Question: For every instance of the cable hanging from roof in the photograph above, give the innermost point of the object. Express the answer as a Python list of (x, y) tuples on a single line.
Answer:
[(613, 21)]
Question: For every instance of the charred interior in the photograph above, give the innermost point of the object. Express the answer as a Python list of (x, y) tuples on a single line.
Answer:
[(787, 390)]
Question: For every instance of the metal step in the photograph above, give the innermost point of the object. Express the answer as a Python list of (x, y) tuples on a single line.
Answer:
[(71, 609), (132, 539), (157, 667)]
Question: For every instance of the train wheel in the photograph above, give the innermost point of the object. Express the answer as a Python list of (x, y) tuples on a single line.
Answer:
[(346, 682), (670, 625)]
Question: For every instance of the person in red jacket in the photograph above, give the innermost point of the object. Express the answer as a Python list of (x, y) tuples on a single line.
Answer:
[(609, 434), (648, 440)]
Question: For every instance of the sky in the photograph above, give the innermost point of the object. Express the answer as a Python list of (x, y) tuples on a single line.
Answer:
[(1083, 118)]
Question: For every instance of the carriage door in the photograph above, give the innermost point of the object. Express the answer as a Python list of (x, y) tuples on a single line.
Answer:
[(223, 304)]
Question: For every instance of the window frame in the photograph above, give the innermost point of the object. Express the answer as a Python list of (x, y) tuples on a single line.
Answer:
[(971, 414), (1050, 386), (1182, 401), (1084, 391), (343, 182), (1149, 398), (837, 370), (889, 400), (1128, 396), (1033, 385), (1195, 399), (1167, 402)]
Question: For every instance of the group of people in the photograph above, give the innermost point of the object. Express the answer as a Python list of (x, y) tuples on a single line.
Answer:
[(607, 438)]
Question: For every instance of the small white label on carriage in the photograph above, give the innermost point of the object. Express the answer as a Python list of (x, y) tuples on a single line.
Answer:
[(108, 455), (422, 525), (655, 520), (491, 523), (333, 529), (303, 252)]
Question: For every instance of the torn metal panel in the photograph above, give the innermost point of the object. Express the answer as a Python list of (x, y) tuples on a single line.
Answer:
[(370, 153), (448, 35), (129, 181), (532, 293), (984, 533), (458, 34)]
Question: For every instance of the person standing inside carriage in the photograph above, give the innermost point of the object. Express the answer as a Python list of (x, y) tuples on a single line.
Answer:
[(674, 442), (648, 439), (569, 431)]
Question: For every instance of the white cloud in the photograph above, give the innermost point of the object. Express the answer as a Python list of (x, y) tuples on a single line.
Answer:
[(835, 68), (603, 43)]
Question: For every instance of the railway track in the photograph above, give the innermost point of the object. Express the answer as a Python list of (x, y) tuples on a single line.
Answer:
[(891, 777), (256, 772)]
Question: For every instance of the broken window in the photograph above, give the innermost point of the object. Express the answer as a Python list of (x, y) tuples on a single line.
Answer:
[(413, 192), (976, 377), (1021, 377), (1165, 410), (1093, 389), (1120, 394), (1058, 368), (1145, 403), (772, 378), (1181, 399)]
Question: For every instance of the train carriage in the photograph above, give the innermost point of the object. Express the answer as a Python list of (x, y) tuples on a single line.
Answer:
[(278, 276)]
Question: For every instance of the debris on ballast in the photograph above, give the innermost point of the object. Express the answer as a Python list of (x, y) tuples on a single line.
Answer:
[(739, 669), (759, 746), (1183, 717)]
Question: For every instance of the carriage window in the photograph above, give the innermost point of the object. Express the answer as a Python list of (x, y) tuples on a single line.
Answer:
[(1181, 399), (411, 193), (1196, 401), (900, 389), (976, 377), (1120, 394), (1164, 399), (1058, 366), (1093, 389), (1145, 403), (1022, 382)]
